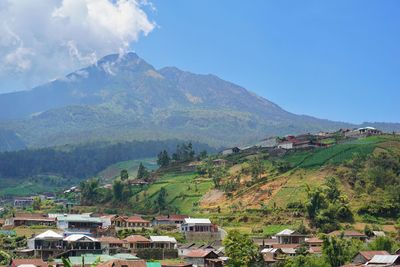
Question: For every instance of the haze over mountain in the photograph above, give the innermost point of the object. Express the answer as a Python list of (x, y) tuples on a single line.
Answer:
[(123, 97)]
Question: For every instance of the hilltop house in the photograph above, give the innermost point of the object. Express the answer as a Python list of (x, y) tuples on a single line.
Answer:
[(129, 222), (363, 132), (173, 219), (78, 244)]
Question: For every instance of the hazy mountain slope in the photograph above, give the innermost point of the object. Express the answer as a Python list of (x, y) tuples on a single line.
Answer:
[(10, 141), (125, 98)]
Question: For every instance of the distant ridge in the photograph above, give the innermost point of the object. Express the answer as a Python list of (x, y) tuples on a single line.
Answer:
[(122, 98)]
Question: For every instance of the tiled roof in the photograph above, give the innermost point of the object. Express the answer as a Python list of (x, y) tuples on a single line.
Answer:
[(371, 253), (36, 262), (136, 219), (198, 253), (136, 239)]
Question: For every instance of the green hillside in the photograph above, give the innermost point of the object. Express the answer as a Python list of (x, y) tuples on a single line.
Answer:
[(276, 192)]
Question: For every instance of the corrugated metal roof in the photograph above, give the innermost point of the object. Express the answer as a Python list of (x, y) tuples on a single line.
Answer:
[(49, 235), (383, 259), (78, 218), (197, 221), (162, 239)]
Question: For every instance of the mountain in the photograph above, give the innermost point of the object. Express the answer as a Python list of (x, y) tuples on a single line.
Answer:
[(10, 141), (122, 98)]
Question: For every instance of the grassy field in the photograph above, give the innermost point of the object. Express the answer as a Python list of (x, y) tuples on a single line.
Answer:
[(130, 165), (184, 191)]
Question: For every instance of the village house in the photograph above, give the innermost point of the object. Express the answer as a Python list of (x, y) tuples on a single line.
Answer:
[(265, 242), (365, 256), (135, 242), (200, 229), (164, 242), (272, 255), (79, 223), (349, 234), (112, 245), (47, 245), (362, 132), (288, 236), (30, 219), (314, 245), (173, 219), (191, 167), (203, 258), (220, 162), (121, 222), (23, 202), (184, 249), (78, 244)]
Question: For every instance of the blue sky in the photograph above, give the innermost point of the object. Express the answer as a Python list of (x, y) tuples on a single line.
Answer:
[(338, 60)]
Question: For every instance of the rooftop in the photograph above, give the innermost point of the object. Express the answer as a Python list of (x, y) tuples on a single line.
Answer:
[(78, 218), (163, 239), (49, 235), (136, 239), (384, 259), (197, 221), (371, 253)]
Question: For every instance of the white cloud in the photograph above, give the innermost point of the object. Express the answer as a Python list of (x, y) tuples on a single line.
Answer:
[(41, 40)]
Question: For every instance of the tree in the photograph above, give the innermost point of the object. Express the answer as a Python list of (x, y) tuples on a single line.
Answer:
[(240, 249), (332, 191), (117, 188), (124, 175), (37, 203), (163, 159), (306, 261), (382, 243), (5, 258), (89, 191), (203, 154), (333, 250), (142, 173), (256, 168), (217, 174), (161, 200)]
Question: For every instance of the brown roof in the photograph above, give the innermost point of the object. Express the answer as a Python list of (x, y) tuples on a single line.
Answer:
[(173, 217), (111, 240), (36, 262), (268, 257), (136, 239), (371, 253), (197, 253), (313, 240), (120, 263), (286, 246), (347, 233), (136, 219)]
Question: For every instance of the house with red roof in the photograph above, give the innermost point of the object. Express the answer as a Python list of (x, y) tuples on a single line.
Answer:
[(173, 219), (129, 222), (202, 257)]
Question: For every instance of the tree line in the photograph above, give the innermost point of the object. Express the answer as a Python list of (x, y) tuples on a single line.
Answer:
[(83, 161)]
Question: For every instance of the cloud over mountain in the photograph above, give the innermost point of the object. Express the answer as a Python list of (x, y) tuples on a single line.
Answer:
[(42, 40)]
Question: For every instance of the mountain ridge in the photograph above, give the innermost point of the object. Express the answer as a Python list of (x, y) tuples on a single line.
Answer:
[(123, 98)]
